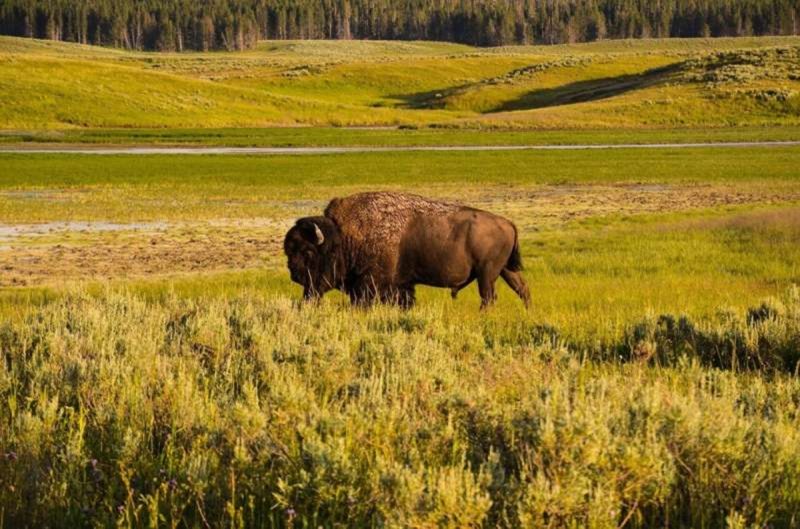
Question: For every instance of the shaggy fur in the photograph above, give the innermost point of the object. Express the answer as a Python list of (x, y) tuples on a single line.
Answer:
[(372, 225), (378, 246)]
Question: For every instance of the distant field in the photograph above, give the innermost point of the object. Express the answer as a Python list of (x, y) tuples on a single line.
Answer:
[(628, 84)]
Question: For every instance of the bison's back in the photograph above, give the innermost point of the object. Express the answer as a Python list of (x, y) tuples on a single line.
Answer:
[(447, 251)]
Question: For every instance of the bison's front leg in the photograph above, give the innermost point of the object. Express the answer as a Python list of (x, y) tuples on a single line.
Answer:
[(311, 294), (362, 294), (406, 297)]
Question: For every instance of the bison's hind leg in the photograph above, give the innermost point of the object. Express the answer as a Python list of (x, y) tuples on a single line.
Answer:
[(486, 281), (517, 284)]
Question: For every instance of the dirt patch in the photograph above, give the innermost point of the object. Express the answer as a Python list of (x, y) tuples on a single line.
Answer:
[(47, 195), (554, 206), (41, 254), (106, 254), (16, 231), (784, 220)]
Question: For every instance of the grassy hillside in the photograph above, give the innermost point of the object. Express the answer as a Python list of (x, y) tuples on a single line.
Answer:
[(671, 83)]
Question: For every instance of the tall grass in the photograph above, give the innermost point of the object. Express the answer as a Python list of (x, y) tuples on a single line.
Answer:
[(253, 411)]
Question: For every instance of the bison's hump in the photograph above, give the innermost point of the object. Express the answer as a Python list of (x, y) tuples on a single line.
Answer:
[(375, 222)]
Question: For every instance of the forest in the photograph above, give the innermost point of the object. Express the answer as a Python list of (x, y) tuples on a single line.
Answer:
[(177, 25)]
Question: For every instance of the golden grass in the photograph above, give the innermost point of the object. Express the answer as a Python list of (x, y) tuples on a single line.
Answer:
[(254, 412)]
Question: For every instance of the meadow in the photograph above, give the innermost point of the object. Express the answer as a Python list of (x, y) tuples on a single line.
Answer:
[(157, 368)]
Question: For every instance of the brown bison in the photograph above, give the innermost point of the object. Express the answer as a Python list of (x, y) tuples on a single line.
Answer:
[(379, 246)]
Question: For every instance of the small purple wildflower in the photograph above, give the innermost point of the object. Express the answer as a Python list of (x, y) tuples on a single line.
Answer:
[(120, 509), (173, 483), (11, 456), (291, 513)]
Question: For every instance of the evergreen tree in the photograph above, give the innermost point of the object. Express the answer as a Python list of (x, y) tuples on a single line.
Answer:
[(239, 24)]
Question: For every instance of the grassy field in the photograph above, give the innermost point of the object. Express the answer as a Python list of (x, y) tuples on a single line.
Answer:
[(382, 137), (583, 216), (643, 84), (157, 368)]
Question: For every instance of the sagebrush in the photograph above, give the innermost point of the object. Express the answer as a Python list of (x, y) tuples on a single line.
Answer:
[(259, 412)]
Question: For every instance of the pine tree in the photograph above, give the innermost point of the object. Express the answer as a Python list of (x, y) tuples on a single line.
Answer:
[(239, 24)]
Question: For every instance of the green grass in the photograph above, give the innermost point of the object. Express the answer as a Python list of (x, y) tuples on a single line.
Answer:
[(608, 236), (206, 172), (344, 137), (61, 86)]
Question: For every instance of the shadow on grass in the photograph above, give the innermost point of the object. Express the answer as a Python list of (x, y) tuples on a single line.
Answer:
[(577, 92), (590, 90), (431, 99)]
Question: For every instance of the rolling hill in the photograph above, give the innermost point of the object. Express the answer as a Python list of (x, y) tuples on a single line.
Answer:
[(611, 84)]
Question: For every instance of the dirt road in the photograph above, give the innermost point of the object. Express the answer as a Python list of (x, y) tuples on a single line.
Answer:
[(346, 150)]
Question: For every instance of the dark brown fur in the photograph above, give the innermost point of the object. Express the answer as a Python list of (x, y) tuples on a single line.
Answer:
[(379, 246)]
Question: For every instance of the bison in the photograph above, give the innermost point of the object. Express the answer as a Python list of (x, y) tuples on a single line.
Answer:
[(379, 246)]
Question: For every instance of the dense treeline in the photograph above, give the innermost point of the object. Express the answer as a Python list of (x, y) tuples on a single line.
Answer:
[(238, 24)]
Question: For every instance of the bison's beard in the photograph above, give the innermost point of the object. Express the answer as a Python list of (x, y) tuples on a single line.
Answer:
[(312, 282), (317, 279)]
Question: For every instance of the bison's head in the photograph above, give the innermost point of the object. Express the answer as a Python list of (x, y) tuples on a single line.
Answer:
[(312, 248)]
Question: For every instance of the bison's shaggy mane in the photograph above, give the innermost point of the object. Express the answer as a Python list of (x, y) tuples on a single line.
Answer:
[(375, 222)]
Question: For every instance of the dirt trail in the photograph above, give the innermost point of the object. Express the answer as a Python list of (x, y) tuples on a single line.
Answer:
[(348, 150)]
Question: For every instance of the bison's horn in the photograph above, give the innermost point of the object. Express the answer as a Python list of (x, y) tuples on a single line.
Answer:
[(318, 233)]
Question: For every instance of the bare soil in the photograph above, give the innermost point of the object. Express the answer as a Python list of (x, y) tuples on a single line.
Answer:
[(50, 253)]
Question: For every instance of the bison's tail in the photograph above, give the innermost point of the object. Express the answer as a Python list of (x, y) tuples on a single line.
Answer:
[(514, 263)]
